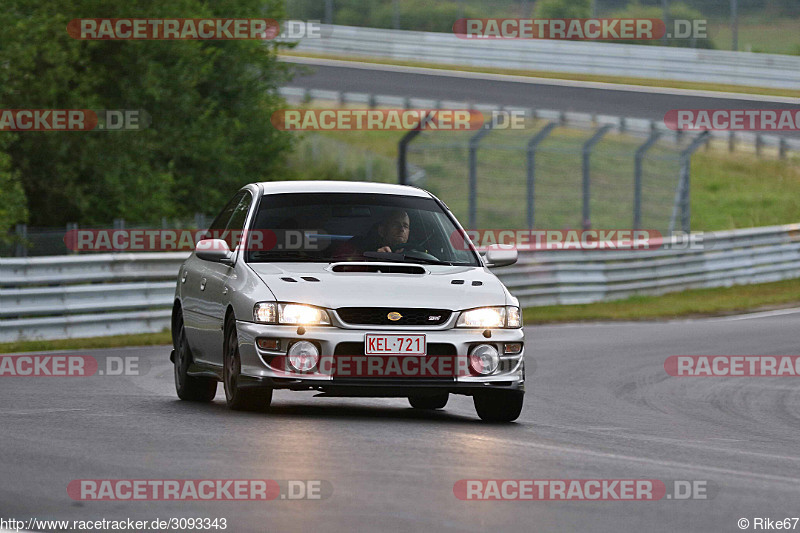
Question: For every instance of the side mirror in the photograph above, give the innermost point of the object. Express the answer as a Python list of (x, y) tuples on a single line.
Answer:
[(500, 258), (214, 250)]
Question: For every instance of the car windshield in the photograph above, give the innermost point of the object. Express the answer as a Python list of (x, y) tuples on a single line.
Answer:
[(333, 227)]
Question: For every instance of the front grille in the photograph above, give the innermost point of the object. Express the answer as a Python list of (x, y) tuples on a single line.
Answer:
[(379, 316), (441, 372), (357, 348)]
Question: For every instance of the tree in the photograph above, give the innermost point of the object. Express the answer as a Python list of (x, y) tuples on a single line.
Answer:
[(210, 103), (677, 11), (13, 208), (563, 9)]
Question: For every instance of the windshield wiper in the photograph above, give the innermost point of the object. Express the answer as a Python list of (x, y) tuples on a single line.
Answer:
[(403, 258)]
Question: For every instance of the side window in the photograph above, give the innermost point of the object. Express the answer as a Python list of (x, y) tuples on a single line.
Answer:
[(233, 233), (221, 222)]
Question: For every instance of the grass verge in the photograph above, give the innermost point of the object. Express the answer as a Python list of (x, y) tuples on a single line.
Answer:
[(117, 341), (686, 304), (597, 78)]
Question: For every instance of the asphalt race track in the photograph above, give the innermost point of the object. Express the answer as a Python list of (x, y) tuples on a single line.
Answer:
[(649, 103), (599, 406)]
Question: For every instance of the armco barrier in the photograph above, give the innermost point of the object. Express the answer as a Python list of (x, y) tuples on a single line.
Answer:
[(75, 296), (111, 294), (755, 255), (641, 61)]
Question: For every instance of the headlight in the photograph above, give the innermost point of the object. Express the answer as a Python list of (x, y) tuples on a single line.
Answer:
[(302, 315), (490, 317), (291, 314), (266, 312), (513, 317)]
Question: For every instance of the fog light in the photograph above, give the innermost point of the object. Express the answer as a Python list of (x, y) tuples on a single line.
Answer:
[(303, 356), (511, 348), (268, 344), (484, 359)]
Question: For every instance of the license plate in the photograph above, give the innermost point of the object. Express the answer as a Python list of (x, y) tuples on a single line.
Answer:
[(394, 345)]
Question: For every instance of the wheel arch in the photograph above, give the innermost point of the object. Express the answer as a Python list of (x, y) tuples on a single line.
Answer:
[(177, 310), (229, 313)]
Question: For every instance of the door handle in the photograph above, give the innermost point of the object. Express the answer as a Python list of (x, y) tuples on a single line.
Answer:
[(203, 284)]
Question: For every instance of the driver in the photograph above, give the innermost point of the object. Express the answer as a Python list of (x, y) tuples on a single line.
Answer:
[(389, 235), (393, 231)]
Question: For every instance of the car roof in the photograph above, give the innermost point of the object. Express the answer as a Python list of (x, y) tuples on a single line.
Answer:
[(278, 187)]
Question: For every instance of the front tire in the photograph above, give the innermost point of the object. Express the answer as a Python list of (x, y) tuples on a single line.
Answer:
[(189, 388), (498, 406), (436, 401), (239, 398)]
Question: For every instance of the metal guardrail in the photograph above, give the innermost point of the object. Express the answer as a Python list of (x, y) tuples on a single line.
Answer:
[(78, 296), (642, 127), (111, 294), (641, 61), (737, 257)]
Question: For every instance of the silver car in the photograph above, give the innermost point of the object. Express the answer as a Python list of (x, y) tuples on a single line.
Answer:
[(348, 289)]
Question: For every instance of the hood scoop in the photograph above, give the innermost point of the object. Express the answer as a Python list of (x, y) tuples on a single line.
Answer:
[(379, 268)]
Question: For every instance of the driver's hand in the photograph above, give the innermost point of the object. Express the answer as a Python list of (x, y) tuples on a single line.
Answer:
[(385, 249)]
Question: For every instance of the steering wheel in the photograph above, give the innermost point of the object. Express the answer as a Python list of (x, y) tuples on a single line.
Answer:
[(417, 245), (413, 252)]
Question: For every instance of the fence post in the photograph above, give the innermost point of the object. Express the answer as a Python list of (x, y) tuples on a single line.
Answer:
[(682, 195), (759, 144), (71, 226), (402, 149), (473, 173), (396, 14), (368, 165), (782, 146), (314, 148), (532, 144), (637, 177), (22, 240), (587, 152)]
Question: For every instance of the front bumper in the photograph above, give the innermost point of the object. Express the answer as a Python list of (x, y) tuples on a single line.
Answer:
[(266, 368)]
